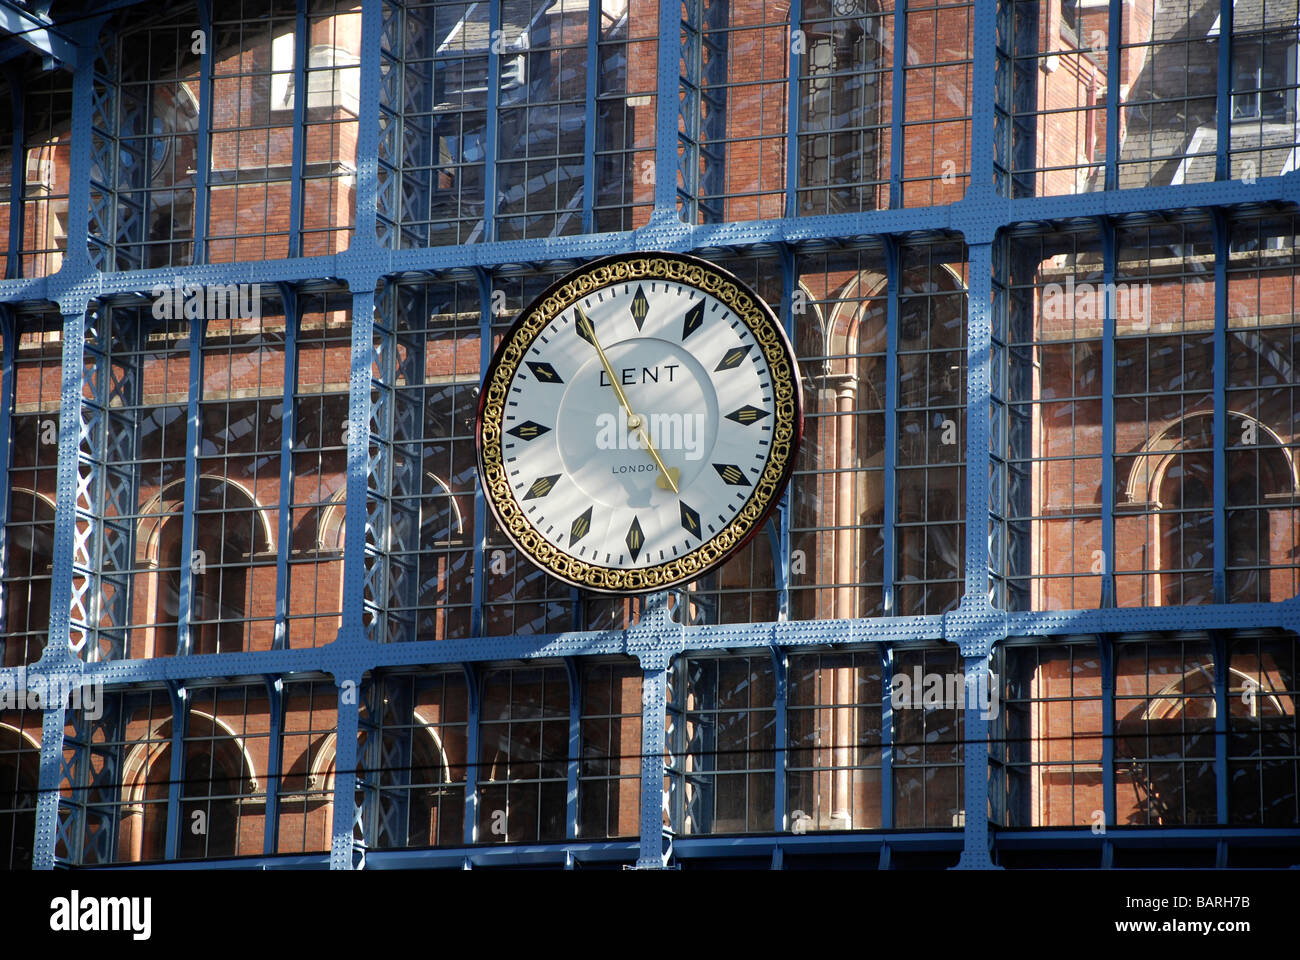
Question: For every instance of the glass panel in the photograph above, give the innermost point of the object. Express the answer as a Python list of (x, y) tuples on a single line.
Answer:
[(1164, 733), (834, 771), (1263, 418), (609, 788), (1164, 464), (1058, 96), (846, 98), (1168, 66), (1053, 734), (315, 589), (29, 528), (524, 747), (928, 784), (1056, 309)]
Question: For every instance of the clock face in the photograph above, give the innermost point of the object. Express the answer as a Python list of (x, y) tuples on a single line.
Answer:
[(638, 422)]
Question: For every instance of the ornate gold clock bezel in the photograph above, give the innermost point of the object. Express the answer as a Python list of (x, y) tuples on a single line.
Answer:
[(787, 428)]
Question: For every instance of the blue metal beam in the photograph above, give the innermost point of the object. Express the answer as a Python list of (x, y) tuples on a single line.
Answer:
[(1107, 230), (189, 557), (203, 141), (975, 626), (297, 191), (572, 763), (36, 33), (17, 171), (594, 11), (473, 711), (289, 417)]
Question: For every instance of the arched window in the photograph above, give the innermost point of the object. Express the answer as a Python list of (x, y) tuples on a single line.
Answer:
[(217, 774), (231, 533), (1173, 476), (1165, 718)]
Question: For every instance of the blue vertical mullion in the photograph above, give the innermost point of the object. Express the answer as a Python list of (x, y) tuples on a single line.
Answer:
[(589, 132), (204, 135), (1114, 51), (343, 827), (792, 108), (275, 748), (780, 775), (301, 50), (364, 235), (571, 808), (654, 700), (781, 547), (473, 710), (17, 170), (898, 106), (358, 454), (984, 37), (1223, 95), (477, 611), (886, 736), (177, 696), (8, 349), (1106, 654), (1108, 241), (978, 407), (1221, 717), (185, 600), (1220, 405), (667, 93), (288, 419), (53, 744), (890, 486), (490, 124)]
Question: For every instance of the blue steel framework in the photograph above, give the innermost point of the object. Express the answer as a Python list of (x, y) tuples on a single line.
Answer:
[(975, 626)]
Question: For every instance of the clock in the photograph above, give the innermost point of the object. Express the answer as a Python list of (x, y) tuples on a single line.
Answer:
[(639, 422)]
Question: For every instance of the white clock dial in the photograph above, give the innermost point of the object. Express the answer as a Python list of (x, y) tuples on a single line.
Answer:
[(645, 424)]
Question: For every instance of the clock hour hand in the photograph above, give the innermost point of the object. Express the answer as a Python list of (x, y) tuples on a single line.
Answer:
[(587, 330)]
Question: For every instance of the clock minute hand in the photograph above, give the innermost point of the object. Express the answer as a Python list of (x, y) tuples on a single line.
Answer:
[(587, 330)]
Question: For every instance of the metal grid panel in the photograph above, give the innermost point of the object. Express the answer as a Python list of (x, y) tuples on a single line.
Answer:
[(85, 562)]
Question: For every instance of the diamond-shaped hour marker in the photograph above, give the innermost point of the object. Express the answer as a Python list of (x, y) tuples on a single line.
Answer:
[(733, 358), (544, 372), (541, 487), (635, 538), (731, 475), (690, 519), (694, 320), (528, 430), (747, 414), (640, 307), (581, 526), (583, 325)]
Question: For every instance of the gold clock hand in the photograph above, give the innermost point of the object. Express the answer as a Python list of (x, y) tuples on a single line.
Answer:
[(634, 421), (585, 324)]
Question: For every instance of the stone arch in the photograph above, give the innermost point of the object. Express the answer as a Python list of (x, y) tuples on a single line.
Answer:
[(146, 774), (1153, 483), (216, 594)]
